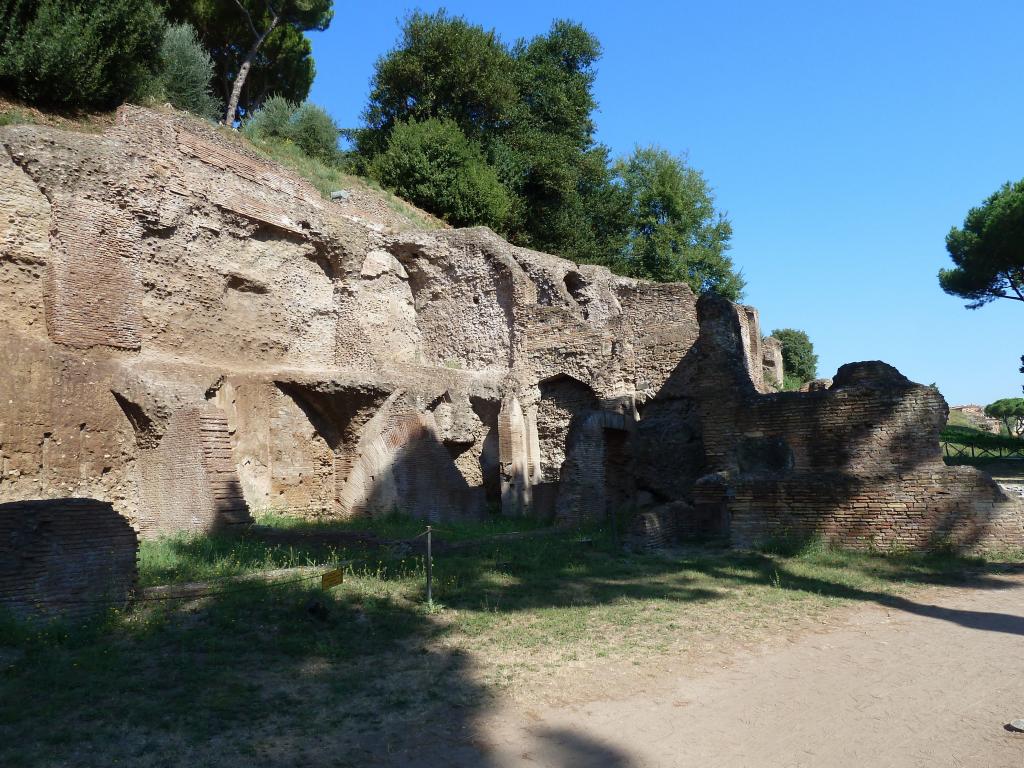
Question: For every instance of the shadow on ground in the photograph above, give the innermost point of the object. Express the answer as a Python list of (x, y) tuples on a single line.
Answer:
[(290, 675)]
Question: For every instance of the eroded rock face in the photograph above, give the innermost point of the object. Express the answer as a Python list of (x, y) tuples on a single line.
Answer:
[(194, 333), (191, 333)]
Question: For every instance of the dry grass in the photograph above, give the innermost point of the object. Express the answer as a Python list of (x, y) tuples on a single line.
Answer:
[(14, 112)]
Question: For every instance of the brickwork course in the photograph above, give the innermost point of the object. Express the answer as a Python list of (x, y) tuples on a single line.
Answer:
[(65, 557), (191, 333)]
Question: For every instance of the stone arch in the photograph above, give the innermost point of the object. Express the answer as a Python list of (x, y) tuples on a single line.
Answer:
[(563, 401), (401, 464), (584, 454), (596, 482)]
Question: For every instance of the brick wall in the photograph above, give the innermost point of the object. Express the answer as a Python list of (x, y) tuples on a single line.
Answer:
[(958, 506), (858, 463), (93, 291), (65, 557), (188, 482)]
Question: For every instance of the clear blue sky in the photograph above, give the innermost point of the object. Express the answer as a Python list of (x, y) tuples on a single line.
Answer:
[(843, 140)]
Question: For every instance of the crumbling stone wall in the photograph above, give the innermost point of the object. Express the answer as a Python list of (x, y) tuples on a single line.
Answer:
[(65, 557), (857, 463), (192, 333), (771, 362)]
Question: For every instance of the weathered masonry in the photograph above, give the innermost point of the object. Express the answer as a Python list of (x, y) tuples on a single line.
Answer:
[(190, 332), (65, 557)]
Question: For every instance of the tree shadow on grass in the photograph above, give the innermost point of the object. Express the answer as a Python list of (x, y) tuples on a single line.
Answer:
[(255, 677), (275, 675)]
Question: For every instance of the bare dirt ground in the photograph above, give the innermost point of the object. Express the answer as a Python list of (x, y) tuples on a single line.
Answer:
[(928, 681)]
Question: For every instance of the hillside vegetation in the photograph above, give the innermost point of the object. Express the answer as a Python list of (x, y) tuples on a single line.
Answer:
[(467, 126)]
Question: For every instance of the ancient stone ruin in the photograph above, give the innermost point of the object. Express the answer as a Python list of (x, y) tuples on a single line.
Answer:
[(190, 332), (67, 557)]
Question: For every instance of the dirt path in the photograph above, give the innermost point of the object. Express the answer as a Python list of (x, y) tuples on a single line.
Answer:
[(923, 682)]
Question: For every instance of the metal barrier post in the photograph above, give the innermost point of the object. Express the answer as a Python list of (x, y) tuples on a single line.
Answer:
[(430, 573)]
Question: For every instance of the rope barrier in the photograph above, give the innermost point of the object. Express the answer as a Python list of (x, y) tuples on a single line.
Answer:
[(257, 583)]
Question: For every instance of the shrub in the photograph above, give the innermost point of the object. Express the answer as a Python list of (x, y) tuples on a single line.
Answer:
[(791, 383), (74, 53), (271, 120), (186, 70), (432, 164), (798, 358), (307, 126), (316, 134)]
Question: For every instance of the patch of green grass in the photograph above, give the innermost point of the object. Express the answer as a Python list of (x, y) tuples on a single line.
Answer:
[(328, 178), (161, 679), (960, 419), (962, 438), (972, 435), (400, 526), (15, 116), (185, 558), (791, 383)]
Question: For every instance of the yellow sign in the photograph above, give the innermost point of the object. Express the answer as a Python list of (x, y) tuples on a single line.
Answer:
[(332, 578)]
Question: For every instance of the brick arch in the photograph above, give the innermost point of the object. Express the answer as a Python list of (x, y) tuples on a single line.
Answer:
[(401, 464)]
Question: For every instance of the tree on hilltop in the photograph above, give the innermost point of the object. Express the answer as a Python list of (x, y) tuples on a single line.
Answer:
[(432, 163), (675, 232), (988, 253), (526, 109), (1010, 411), (526, 115), (258, 46), (79, 53), (443, 68), (186, 71)]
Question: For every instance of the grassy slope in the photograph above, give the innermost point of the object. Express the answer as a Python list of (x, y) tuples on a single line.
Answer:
[(963, 435), (327, 178), (254, 669)]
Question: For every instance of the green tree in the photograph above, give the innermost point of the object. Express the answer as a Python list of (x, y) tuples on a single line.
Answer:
[(79, 53), (258, 46), (798, 357), (186, 71), (433, 164), (443, 68), (988, 252), (271, 121), (1009, 410), (675, 232), (565, 198), (528, 109), (315, 132)]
